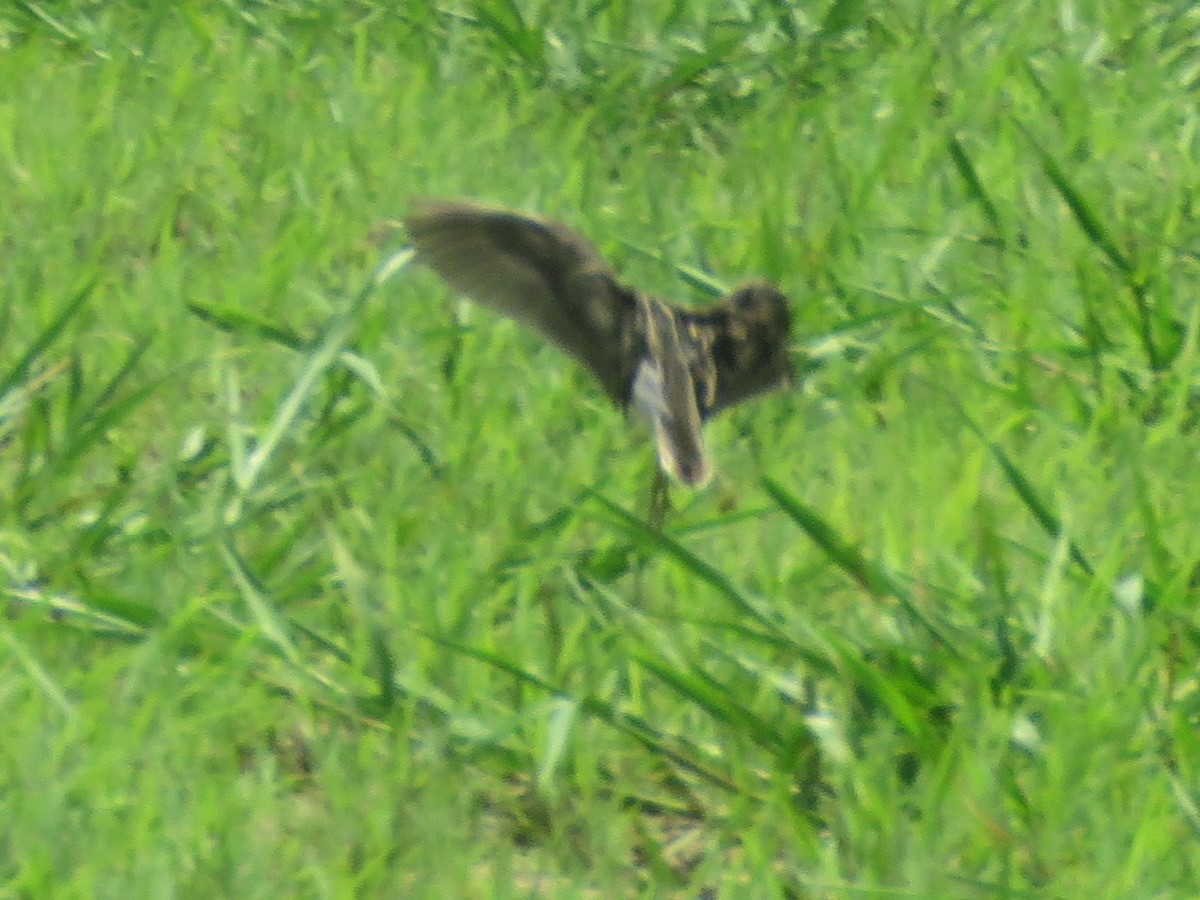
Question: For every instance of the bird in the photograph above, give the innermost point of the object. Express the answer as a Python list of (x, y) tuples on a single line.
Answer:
[(676, 366)]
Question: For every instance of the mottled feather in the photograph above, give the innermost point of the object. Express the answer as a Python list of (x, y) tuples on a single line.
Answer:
[(540, 273), (678, 366)]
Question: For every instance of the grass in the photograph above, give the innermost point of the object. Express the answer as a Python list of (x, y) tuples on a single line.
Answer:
[(322, 582)]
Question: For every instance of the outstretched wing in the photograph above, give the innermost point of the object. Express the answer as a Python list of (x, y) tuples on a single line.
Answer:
[(740, 346), (540, 273)]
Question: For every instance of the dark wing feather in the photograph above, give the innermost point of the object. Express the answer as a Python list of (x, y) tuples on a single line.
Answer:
[(746, 339), (540, 273)]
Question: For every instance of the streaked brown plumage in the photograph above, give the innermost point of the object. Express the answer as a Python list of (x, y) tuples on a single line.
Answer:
[(677, 366)]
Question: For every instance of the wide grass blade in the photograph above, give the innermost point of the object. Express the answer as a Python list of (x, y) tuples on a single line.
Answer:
[(271, 625), (698, 567), (37, 673), (1093, 226), (506, 21), (51, 333), (325, 352), (701, 690), (974, 184), (1085, 216), (100, 614), (236, 321), (841, 17), (846, 557), (674, 749), (689, 70), (992, 571), (88, 427), (1030, 497), (38, 12)]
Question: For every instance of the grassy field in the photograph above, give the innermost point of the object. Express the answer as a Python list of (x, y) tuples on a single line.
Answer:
[(320, 581)]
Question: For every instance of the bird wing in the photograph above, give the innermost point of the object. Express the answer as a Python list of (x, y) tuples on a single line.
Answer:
[(539, 273)]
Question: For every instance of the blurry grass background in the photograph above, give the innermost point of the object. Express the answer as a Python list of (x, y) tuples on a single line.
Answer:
[(321, 582)]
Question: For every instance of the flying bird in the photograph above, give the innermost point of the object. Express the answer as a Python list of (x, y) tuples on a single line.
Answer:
[(677, 366)]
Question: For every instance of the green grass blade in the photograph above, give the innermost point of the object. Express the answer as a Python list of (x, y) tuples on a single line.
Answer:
[(240, 322), (46, 338), (632, 726), (845, 556), (505, 20), (1093, 226), (37, 673), (325, 352), (87, 429), (271, 625), (702, 691), (1085, 216), (1031, 498), (842, 16), (975, 189), (702, 570), (873, 579)]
